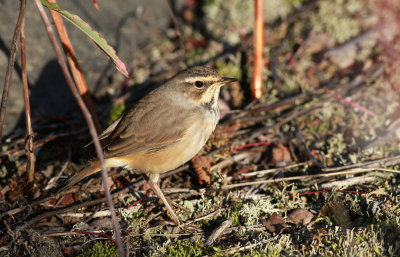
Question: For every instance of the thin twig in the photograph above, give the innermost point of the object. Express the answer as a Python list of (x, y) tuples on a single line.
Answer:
[(59, 212), (29, 150), (53, 180), (233, 159), (178, 31), (88, 119), (263, 172), (10, 65), (349, 182), (389, 161), (218, 231), (205, 216), (308, 177)]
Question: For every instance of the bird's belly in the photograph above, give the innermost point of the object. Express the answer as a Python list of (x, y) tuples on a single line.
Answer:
[(172, 156)]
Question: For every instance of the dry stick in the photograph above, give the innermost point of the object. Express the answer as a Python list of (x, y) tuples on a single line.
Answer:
[(306, 177), (388, 161), (263, 172), (10, 65), (178, 31), (61, 210), (89, 121), (30, 167), (258, 50), (218, 231), (74, 65)]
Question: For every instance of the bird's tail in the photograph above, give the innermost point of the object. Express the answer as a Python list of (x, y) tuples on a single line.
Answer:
[(86, 171)]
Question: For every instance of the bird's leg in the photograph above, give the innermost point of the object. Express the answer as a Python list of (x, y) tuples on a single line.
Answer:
[(152, 179)]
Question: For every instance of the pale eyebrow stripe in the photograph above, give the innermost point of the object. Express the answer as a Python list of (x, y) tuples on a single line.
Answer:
[(194, 79)]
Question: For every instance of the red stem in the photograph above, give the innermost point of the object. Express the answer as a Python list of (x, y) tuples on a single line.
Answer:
[(258, 51)]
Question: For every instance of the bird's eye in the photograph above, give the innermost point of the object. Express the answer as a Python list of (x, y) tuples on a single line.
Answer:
[(199, 84)]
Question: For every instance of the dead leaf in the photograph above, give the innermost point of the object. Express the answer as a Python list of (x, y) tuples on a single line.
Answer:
[(202, 167), (300, 216), (274, 224), (338, 211), (242, 170), (16, 189), (103, 223), (281, 155)]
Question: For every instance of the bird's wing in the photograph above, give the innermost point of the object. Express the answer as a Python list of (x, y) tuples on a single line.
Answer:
[(109, 129), (106, 132), (148, 126)]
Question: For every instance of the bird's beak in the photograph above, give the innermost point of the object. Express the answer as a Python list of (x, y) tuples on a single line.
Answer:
[(225, 80)]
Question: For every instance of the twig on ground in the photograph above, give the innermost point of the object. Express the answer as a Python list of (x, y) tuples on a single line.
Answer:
[(218, 231), (53, 180), (349, 182), (308, 177), (268, 171), (384, 162)]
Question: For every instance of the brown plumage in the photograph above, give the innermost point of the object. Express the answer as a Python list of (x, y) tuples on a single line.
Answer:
[(164, 129)]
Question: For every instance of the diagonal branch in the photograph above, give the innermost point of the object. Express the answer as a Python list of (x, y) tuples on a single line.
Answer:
[(10, 65), (88, 118)]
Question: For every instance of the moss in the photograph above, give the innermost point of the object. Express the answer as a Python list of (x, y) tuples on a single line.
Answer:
[(333, 19), (231, 68), (179, 248), (100, 249), (117, 111), (252, 211)]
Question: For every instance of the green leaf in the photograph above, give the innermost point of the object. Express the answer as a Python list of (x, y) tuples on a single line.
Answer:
[(94, 35)]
